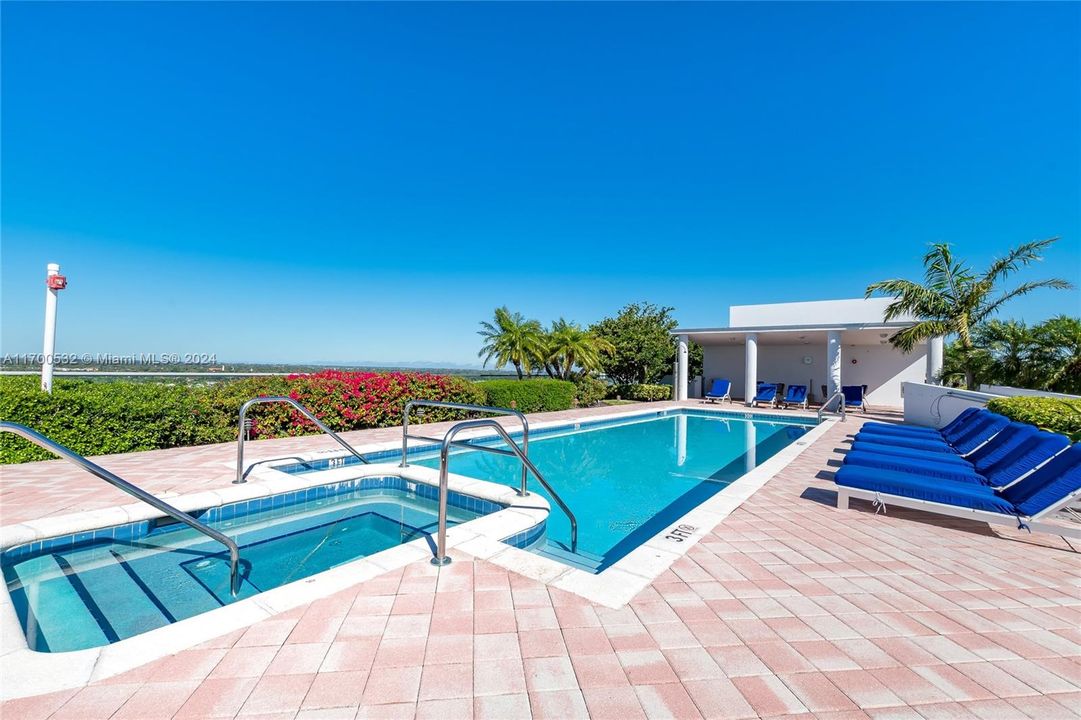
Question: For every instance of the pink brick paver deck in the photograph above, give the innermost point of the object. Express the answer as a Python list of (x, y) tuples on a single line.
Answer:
[(788, 608)]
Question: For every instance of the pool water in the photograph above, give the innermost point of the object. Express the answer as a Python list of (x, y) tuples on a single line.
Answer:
[(628, 481), (89, 592)]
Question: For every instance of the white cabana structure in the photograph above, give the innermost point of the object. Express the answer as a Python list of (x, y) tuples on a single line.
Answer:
[(826, 343)]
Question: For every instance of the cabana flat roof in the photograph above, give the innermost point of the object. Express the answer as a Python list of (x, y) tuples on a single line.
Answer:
[(852, 334)]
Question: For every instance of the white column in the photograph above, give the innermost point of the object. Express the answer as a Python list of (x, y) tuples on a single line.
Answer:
[(750, 367), (750, 439), (49, 346), (681, 369), (935, 351), (833, 360)]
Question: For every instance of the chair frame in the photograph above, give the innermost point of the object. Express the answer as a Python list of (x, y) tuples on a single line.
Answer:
[(804, 404), (1033, 522), (720, 398)]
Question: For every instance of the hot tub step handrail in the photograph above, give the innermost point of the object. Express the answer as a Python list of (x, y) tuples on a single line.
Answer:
[(136, 492), (406, 437), (444, 457), (240, 472), (840, 396)]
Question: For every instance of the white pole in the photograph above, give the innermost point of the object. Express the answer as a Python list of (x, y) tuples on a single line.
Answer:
[(750, 368), (681, 368), (833, 361), (49, 348), (934, 360)]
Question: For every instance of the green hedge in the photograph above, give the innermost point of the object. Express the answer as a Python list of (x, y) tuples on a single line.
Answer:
[(641, 393), (100, 418), (589, 391), (1058, 415), (534, 395), (95, 418)]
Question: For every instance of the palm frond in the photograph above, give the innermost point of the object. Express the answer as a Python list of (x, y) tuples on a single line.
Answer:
[(1016, 258)]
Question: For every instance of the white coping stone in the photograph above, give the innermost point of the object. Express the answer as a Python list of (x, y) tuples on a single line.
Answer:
[(26, 672)]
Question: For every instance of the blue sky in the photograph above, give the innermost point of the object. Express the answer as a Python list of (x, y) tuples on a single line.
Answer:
[(347, 182)]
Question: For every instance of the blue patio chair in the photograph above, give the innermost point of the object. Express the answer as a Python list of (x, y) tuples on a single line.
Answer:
[(967, 415), (1047, 489), (721, 390), (999, 463), (854, 397), (795, 395), (974, 434), (766, 393)]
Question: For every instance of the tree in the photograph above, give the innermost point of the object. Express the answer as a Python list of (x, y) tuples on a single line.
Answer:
[(953, 300), (643, 347), (568, 346), (1010, 347), (1058, 350), (511, 339)]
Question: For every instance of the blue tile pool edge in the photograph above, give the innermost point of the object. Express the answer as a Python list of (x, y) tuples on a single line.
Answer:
[(139, 529)]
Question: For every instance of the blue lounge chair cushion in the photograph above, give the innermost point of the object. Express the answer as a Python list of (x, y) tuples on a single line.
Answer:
[(1033, 453), (978, 432), (1048, 485), (720, 388), (926, 467), (796, 394), (938, 446), (900, 430), (963, 423), (766, 392), (911, 453), (958, 494), (853, 395), (965, 417)]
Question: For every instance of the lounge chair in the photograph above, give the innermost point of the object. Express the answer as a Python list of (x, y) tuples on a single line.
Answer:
[(796, 395), (1047, 489), (766, 393), (854, 396), (919, 430), (721, 390), (1006, 459), (968, 438)]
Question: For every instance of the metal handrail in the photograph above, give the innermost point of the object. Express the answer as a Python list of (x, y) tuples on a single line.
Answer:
[(840, 408), (523, 490), (136, 492), (241, 475), (444, 455)]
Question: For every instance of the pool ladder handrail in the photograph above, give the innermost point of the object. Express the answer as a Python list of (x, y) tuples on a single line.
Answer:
[(136, 492), (840, 408), (444, 456), (241, 475), (406, 437)]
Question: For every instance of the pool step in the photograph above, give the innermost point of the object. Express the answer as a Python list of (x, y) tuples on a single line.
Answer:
[(582, 559)]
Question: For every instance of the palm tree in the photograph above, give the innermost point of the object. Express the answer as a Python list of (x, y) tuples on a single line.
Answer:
[(952, 300), (568, 346), (1058, 350), (511, 339), (1010, 347)]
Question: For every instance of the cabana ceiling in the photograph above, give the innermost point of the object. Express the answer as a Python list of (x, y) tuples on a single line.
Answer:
[(862, 335)]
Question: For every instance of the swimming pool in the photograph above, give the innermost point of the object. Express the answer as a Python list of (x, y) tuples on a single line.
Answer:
[(94, 588), (625, 480)]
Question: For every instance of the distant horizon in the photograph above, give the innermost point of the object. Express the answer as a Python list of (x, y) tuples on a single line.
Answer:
[(366, 180)]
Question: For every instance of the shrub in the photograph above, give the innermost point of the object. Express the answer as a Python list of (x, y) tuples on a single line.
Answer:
[(528, 396), (355, 400), (641, 393), (94, 418), (589, 391), (1060, 415)]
